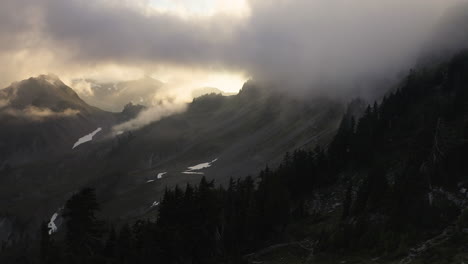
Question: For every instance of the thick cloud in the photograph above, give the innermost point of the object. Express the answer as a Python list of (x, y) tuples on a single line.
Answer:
[(310, 44)]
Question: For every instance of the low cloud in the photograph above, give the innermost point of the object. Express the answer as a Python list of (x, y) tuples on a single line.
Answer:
[(39, 114), (83, 88), (152, 114)]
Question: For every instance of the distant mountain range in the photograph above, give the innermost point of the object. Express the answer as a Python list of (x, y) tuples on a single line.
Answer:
[(113, 96), (146, 91)]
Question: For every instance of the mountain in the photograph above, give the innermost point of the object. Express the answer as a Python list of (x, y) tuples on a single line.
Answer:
[(387, 182), (241, 133), (45, 91), (217, 136), (113, 96), (388, 185), (130, 111), (44, 117), (208, 90)]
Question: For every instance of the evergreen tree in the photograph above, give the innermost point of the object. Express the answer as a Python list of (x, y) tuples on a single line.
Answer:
[(83, 230)]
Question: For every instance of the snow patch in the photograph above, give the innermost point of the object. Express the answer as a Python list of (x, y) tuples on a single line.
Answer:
[(86, 138), (195, 169), (155, 203), (51, 225), (202, 165), (159, 176)]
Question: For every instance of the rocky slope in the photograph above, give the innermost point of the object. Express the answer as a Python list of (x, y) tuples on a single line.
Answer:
[(226, 136)]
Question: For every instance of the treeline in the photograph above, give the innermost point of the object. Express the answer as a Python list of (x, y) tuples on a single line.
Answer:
[(195, 224)]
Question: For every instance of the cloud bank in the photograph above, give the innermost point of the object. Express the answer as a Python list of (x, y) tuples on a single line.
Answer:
[(317, 45)]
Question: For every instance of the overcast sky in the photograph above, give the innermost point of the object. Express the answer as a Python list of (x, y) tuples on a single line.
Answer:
[(301, 43)]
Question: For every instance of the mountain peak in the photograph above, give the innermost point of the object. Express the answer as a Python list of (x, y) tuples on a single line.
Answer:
[(43, 91), (49, 78)]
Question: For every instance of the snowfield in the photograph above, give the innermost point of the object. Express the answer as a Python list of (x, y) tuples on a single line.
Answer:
[(86, 138)]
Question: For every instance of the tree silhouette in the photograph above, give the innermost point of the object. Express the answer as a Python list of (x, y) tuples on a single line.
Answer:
[(83, 230)]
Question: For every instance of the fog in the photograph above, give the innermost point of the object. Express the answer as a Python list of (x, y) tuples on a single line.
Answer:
[(333, 47), (167, 105)]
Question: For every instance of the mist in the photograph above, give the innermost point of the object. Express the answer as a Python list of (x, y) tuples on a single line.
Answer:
[(152, 114), (39, 114), (321, 47)]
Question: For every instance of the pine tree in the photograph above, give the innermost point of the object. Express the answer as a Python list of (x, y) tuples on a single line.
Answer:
[(83, 230)]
